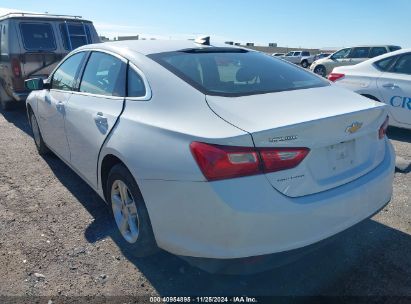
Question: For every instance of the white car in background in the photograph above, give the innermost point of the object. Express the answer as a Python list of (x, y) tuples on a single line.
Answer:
[(386, 78), (214, 152)]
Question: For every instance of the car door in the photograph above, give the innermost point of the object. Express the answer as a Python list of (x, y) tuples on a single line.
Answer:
[(296, 57), (92, 112), (289, 56), (51, 107), (395, 87), (338, 59)]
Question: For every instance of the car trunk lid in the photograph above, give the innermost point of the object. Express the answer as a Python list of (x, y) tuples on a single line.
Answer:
[(340, 129)]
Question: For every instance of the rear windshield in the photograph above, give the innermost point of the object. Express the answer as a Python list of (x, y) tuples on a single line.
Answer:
[(38, 36), (236, 72)]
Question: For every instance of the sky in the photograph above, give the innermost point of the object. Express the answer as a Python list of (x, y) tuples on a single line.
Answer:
[(292, 23)]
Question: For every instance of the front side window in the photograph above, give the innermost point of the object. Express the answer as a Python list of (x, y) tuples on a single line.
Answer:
[(341, 54), (297, 53), (38, 36), (104, 75), (236, 72), (290, 54), (64, 77), (403, 65), (377, 51), (360, 52), (74, 35)]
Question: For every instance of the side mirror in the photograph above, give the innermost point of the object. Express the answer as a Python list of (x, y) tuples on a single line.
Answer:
[(36, 84)]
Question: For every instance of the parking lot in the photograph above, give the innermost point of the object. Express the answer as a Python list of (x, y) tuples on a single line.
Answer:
[(57, 238)]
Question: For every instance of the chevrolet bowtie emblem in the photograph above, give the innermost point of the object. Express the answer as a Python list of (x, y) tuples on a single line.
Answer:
[(355, 126)]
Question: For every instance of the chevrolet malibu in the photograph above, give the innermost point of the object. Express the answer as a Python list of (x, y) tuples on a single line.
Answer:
[(213, 152)]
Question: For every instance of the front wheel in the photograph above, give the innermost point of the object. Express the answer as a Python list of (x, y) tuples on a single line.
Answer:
[(304, 64), (130, 213), (6, 105), (320, 70)]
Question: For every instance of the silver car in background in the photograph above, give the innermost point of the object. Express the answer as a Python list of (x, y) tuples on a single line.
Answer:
[(214, 152)]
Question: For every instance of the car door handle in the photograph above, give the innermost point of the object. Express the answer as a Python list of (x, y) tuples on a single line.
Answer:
[(101, 123), (99, 118), (391, 86), (60, 106)]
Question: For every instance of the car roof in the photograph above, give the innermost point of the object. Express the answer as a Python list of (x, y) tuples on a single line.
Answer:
[(147, 47), (375, 45), (39, 16)]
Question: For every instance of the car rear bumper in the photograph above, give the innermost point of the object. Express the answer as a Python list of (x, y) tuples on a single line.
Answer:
[(247, 217)]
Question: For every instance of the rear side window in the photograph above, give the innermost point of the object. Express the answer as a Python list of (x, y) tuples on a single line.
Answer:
[(135, 84), (403, 65), (65, 75), (385, 64), (394, 48), (360, 52), (104, 75), (233, 72), (75, 35), (377, 51), (38, 36), (306, 54)]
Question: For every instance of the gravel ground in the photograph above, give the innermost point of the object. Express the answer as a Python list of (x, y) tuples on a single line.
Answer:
[(56, 238)]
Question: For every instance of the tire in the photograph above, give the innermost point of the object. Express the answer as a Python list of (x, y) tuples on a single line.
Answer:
[(304, 64), (38, 138), (320, 70), (6, 105), (122, 192)]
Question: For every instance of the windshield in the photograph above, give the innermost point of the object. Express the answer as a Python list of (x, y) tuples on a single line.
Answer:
[(236, 72)]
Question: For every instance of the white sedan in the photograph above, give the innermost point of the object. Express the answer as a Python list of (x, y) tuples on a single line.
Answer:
[(213, 152), (386, 78)]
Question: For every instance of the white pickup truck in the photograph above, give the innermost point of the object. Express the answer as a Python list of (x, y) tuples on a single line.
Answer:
[(296, 57), (303, 58)]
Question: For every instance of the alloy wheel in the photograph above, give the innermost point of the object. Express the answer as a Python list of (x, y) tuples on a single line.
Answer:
[(125, 211)]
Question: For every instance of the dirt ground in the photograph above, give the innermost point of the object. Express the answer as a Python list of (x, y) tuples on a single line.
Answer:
[(56, 238)]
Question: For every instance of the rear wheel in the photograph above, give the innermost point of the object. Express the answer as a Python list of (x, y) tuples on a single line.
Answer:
[(38, 138), (6, 105), (130, 213), (320, 70)]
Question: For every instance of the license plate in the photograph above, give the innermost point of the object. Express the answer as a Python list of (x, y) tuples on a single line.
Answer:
[(341, 156)]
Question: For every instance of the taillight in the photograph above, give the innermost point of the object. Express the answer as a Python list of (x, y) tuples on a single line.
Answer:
[(222, 162), (383, 128), (16, 67), (282, 158), (335, 76)]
